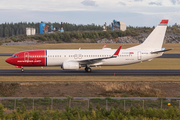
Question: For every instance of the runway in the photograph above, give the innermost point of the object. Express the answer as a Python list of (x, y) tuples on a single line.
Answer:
[(93, 73), (170, 56), (163, 56)]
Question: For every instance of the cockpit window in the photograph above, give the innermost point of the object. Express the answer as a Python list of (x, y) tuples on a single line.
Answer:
[(15, 55)]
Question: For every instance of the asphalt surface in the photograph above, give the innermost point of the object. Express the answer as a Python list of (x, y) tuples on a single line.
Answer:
[(6, 54), (164, 55), (170, 56), (93, 73)]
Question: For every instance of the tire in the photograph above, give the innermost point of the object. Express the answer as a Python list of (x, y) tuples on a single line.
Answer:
[(88, 69)]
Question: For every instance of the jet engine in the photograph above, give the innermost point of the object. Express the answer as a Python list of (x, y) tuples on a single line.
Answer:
[(70, 66)]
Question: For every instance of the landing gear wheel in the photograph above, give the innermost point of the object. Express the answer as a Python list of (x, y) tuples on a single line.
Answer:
[(22, 70), (88, 69)]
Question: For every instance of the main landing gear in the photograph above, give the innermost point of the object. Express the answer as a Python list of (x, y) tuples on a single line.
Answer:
[(88, 69), (22, 69)]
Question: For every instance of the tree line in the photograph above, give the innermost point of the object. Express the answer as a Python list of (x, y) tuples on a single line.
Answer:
[(14, 29), (73, 33), (75, 36)]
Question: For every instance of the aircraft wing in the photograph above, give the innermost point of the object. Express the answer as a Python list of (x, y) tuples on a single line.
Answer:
[(98, 60)]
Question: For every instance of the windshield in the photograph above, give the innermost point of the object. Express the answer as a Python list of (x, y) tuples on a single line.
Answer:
[(15, 55)]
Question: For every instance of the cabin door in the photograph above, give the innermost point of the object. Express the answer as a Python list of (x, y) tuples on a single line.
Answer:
[(139, 55), (26, 56)]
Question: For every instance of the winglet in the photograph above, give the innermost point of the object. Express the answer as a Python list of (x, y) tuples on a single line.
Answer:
[(104, 46), (117, 51)]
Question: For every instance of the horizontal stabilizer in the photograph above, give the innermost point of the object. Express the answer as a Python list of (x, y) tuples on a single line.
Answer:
[(160, 51)]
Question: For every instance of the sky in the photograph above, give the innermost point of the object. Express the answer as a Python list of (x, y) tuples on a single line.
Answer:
[(132, 12)]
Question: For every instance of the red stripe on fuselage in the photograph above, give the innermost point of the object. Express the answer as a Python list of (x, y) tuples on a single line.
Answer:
[(29, 58)]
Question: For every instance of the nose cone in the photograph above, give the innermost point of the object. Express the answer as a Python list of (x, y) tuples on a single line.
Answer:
[(8, 60)]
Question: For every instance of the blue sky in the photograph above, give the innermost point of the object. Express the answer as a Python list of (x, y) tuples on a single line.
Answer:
[(132, 12)]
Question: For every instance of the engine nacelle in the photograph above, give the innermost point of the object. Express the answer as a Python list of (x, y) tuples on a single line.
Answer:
[(70, 66)]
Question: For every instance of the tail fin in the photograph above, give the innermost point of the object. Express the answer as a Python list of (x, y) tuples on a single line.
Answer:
[(155, 40)]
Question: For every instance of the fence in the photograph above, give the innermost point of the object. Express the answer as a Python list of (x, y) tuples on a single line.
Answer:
[(60, 103)]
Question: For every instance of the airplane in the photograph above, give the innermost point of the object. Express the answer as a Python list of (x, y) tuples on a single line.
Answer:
[(70, 59)]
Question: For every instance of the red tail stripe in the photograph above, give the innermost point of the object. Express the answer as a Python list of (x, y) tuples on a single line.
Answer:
[(164, 22)]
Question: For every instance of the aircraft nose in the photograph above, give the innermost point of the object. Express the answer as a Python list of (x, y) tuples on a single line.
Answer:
[(8, 60)]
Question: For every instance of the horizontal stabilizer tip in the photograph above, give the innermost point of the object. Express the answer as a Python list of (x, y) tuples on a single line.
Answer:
[(161, 51), (164, 22)]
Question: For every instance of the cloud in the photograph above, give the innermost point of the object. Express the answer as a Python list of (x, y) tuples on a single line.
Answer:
[(72, 10), (137, 0), (122, 3), (154, 3), (89, 3), (173, 1)]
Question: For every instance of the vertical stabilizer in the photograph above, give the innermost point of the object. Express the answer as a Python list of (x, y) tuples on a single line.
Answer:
[(155, 40)]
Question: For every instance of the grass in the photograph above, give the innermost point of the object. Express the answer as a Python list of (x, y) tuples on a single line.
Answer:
[(8, 89), (89, 78), (18, 48)]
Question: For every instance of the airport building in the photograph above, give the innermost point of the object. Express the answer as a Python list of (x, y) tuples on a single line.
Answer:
[(30, 31), (118, 25)]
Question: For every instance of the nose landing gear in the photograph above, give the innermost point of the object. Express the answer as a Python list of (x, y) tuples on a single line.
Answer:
[(88, 69), (22, 69)]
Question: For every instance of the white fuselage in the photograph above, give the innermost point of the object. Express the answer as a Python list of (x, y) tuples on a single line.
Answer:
[(57, 57)]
